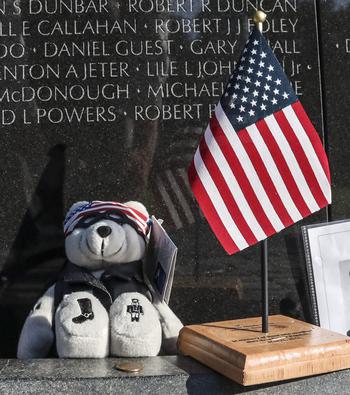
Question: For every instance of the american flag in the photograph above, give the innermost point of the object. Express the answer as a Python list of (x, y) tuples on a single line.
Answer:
[(86, 209), (260, 165)]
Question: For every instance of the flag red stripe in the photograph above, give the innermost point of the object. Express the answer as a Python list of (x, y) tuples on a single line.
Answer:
[(209, 211), (283, 168), (225, 193), (265, 178), (241, 177), (302, 159), (313, 136)]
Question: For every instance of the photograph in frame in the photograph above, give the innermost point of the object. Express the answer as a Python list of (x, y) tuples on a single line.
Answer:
[(327, 253)]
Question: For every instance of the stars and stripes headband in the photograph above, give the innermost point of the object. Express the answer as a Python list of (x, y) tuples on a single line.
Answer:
[(139, 220)]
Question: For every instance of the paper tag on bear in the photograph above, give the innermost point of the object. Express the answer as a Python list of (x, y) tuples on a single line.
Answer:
[(161, 260)]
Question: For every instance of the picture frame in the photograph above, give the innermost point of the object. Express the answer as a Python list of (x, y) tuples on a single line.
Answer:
[(327, 255)]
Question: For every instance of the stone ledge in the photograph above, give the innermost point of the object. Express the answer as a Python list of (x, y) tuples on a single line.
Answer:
[(161, 375)]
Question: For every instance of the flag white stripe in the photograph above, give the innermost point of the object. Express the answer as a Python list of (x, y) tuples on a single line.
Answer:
[(77, 219), (91, 209), (70, 227), (233, 185), (183, 174), (181, 198), (132, 215), (123, 207), (141, 226), (274, 173), (248, 168), (100, 207), (292, 163), (218, 203), (133, 212), (170, 205), (309, 151)]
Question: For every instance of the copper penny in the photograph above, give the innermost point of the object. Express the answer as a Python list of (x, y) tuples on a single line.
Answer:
[(130, 367)]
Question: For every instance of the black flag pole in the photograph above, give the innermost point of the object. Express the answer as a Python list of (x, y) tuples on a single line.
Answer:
[(259, 19), (264, 287)]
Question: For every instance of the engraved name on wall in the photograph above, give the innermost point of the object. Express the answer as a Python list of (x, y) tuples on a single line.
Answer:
[(99, 61)]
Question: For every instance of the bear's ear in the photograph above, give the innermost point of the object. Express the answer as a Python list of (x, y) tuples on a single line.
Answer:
[(75, 206), (138, 206)]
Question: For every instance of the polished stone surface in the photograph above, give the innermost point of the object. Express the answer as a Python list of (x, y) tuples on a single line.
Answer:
[(124, 150), (335, 41), (161, 375)]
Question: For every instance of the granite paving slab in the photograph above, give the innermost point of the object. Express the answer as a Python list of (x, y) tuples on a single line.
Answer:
[(160, 375)]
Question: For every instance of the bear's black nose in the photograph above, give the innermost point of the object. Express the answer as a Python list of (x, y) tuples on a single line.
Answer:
[(104, 231)]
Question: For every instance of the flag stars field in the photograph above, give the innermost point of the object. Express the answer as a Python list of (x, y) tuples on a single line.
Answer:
[(254, 88)]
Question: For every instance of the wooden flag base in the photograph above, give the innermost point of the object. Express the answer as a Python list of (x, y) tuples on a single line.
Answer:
[(240, 351)]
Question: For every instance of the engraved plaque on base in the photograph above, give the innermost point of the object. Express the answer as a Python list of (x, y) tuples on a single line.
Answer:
[(240, 351)]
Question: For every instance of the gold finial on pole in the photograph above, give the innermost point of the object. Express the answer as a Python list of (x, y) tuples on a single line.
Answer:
[(259, 19)]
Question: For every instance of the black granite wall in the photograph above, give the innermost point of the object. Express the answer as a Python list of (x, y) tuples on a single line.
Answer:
[(107, 99)]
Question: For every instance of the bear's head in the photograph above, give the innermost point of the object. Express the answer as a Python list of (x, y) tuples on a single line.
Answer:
[(101, 234)]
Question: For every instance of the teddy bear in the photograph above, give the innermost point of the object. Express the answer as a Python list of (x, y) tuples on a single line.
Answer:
[(102, 304)]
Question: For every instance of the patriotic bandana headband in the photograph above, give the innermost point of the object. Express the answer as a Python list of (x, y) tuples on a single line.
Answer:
[(137, 219)]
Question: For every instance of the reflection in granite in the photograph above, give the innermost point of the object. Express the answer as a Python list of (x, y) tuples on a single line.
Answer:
[(126, 154), (335, 41), (60, 369)]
